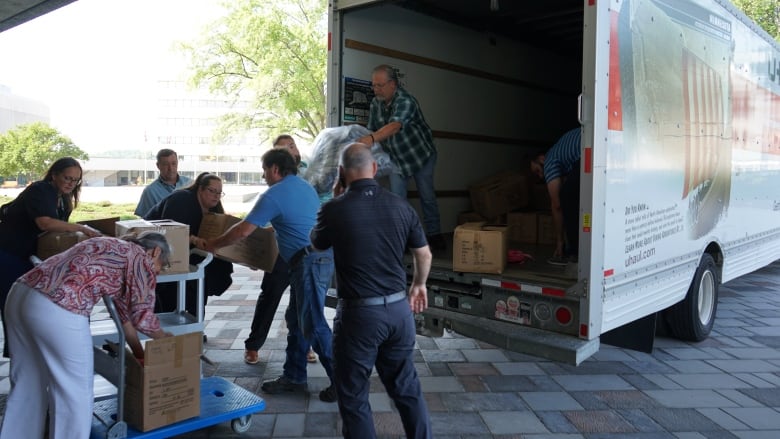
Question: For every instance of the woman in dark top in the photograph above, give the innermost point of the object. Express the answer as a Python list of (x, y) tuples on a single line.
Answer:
[(43, 206), (188, 206)]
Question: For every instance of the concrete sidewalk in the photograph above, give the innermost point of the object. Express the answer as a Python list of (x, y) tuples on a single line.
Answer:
[(724, 387)]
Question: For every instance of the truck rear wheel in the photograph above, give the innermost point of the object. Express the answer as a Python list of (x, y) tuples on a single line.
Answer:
[(693, 317)]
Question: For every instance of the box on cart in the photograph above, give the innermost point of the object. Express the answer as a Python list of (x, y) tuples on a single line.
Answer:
[(106, 226), (165, 388), (51, 243), (479, 248), (258, 250), (177, 235)]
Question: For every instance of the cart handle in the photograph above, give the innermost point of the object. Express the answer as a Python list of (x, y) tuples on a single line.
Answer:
[(120, 394)]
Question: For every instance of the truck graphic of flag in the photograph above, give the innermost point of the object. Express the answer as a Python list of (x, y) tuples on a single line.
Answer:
[(704, 121)]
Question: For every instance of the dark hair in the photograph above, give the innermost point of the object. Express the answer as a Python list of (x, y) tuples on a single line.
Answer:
[(150, 241), (56, 168), (202, 182), (165, 152), (390, 71), (282, 159), (281, 137)]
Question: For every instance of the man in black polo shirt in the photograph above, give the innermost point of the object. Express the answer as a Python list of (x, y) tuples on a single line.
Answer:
[(369, 229)]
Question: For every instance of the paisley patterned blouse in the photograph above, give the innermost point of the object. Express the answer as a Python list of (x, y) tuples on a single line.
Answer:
[(78, 278)]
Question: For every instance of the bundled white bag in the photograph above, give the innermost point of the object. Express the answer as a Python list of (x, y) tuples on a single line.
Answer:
[(324, 161)]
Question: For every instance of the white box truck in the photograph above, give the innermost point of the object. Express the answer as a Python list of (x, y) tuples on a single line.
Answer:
[(679, 105)]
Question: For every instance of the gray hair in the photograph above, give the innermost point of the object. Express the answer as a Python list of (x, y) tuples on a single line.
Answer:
[(150, 241), (356, 156)]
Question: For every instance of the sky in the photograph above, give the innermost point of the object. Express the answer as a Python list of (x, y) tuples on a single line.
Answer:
[(95, 63)]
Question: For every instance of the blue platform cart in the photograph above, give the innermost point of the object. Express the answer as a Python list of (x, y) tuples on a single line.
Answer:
[(220, 400)]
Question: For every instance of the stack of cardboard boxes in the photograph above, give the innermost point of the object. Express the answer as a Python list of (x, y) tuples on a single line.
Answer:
[(508, 208)]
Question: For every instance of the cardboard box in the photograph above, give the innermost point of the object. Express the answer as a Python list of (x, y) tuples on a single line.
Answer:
[(479, 248), (500, 194), (51, 243), (177, 235), (546, 229), (258, 250), (166, 388), (106, 226), (522, 227)]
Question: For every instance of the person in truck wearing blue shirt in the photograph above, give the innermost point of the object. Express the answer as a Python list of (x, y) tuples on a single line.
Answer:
[(559, 167)]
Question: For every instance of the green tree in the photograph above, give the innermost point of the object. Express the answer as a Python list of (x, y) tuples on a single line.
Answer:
[(271, 53), (29, 150), (766, 13)]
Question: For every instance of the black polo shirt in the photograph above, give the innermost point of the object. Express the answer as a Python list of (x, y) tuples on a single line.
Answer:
[(369, 229), (18, 230)]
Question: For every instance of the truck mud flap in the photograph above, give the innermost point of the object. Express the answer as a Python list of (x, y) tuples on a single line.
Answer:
[(516, 338)]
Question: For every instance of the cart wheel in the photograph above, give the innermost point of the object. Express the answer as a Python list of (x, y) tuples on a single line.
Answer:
[(242, 424)]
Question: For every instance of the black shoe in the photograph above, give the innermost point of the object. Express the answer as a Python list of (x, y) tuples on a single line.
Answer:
[(437, 242), (282, 385), (329, 394)]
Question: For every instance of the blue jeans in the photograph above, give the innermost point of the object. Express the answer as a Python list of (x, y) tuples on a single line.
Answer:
[(305, 315), (424, 181)]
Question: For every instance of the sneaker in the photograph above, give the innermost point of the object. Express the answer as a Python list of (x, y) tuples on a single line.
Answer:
[(251, 357), (311, 357), (557, 260), (329, 394), (437, 242), (282, 385)]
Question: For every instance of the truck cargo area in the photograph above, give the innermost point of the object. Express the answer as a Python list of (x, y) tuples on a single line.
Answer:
[(678, 154)]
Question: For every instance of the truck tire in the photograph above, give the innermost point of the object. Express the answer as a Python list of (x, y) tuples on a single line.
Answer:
[(692, 318)]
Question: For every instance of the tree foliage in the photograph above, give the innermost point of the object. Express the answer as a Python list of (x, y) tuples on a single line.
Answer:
[(29, 150), (766, 13), (271, 53)]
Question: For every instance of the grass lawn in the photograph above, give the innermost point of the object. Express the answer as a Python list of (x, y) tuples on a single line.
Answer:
[(90, 211)]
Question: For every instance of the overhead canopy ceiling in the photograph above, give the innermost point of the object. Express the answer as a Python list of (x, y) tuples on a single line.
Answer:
[(555, 25), (16, 12)]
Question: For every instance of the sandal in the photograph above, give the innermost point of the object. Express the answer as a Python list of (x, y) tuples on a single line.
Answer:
[(251, 357)]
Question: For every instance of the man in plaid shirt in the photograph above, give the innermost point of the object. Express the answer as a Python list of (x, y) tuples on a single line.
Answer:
[(398, 124)]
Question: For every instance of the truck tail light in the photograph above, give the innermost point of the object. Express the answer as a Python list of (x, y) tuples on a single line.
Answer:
[(563, 315)]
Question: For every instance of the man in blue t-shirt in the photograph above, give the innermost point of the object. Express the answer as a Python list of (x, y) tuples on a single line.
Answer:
[(290, 204), (560, 169)]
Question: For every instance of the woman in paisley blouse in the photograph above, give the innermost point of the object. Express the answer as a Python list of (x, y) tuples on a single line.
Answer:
[(48, 311)]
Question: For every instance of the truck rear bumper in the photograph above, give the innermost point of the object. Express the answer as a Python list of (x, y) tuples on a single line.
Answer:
[(513, 337)]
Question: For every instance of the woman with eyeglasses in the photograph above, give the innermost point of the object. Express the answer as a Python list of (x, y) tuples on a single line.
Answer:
[(52, 369), (43, 206), (187, 206)]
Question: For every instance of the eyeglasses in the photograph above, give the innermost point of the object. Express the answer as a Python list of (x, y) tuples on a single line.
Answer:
[(71, 179), (379, 85), (215, 192)]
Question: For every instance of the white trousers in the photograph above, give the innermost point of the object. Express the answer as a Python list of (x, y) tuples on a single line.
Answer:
[(51, 368)]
